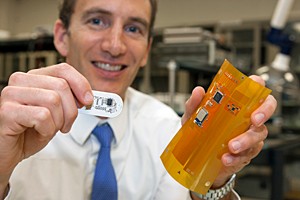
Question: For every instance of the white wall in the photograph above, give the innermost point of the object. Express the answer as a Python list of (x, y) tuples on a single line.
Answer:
[(25, 15), (32, 13), (189, 12), (5, 13)]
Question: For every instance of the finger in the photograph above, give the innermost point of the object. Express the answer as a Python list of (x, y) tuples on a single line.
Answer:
[(39, 127), (248, 139), (77, 82), (192, 103), (54, 84), (16, 119), (264, 112), (238, 161), (37, 97), (257, 79)]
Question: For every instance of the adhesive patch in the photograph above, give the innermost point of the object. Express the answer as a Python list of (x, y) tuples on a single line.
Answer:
[(105, 105)]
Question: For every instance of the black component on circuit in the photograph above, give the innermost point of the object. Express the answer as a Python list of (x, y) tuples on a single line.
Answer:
[(109, 102), (218, 97)]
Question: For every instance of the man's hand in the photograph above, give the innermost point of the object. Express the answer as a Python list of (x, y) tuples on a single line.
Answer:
[(33, 107), (244, 147)]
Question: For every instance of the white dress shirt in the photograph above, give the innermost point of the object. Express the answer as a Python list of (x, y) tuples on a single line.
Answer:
[(64, 169)]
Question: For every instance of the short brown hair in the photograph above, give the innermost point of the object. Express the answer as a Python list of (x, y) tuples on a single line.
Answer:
[(66, 10)]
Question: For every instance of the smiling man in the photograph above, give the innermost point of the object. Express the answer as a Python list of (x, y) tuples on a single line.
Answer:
[(105, 43)]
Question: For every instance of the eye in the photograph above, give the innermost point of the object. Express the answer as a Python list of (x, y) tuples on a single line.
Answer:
[(96, 21), (136, 30), (133, 29)]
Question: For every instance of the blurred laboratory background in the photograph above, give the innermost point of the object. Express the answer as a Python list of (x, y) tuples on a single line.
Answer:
[(191, 40)]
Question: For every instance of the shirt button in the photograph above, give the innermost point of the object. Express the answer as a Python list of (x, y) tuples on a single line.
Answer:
[(95, 162)]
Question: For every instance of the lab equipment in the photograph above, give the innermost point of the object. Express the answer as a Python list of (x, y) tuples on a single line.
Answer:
[(278, 75)]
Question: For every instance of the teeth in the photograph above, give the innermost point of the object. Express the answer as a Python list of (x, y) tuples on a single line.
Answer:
[(108, 67)]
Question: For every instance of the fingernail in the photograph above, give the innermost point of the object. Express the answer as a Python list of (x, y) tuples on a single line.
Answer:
[(228, 160), (259, 118), (88, 97), (236, 145)]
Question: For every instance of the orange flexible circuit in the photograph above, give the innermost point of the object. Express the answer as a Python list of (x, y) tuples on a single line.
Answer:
[(193, 157)]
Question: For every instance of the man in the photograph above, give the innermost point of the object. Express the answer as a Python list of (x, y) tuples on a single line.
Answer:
[(105, 42)]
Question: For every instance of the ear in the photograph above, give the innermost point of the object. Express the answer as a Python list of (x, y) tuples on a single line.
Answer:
[(145, 59), (61, 38)]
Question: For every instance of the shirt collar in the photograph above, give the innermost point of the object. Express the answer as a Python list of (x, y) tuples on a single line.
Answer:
[(85, 124)]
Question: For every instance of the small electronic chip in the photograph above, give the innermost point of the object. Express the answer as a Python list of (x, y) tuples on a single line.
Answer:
[(233, 108), (109, 101), (218, 97), (202, 115)]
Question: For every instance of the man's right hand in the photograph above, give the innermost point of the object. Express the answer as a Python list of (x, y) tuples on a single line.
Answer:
[(33, 107)]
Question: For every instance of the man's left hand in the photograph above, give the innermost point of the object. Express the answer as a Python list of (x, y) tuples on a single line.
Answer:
[(243, 148)]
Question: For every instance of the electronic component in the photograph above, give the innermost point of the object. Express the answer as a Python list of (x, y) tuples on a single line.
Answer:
[(218, 97), (105, 105), (193, 156), (201, 117)]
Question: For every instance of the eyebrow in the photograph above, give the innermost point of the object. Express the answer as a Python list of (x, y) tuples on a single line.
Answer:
[(93, 11), (140, 20)]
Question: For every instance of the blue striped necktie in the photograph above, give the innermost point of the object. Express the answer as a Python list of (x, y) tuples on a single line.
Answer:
[(105, 183)]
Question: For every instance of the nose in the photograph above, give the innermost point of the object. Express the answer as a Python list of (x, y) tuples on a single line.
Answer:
[(114, 41)]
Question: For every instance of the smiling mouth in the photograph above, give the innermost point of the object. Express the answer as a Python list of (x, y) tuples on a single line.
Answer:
[(109, 67)]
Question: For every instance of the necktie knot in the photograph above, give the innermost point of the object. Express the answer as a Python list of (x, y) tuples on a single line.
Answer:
[(104, 134)]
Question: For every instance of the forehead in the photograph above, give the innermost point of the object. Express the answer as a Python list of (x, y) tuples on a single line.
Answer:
[(117, 8)]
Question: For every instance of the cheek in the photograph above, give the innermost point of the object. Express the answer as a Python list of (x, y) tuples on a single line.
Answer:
[(142, 54), (80, 48), (84, 40)]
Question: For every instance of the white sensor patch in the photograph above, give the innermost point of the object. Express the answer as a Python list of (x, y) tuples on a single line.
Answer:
[(105, 105)]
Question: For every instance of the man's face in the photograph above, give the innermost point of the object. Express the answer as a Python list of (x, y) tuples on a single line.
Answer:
[(107, 41)]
